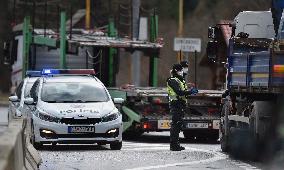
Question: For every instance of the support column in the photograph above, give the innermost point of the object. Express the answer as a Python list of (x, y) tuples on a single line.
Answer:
[(153, 74), (88, 14), (63, 41), (136, 56), (180, 28), (27, 39), (111, 76)]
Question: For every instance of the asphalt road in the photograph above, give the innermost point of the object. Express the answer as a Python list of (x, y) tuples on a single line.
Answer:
[(151, 151)]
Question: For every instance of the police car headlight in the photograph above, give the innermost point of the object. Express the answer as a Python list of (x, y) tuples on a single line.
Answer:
[(110, 117), (47, 117)]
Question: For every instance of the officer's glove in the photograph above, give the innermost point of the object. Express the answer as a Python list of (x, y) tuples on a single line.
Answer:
[(193, 91)]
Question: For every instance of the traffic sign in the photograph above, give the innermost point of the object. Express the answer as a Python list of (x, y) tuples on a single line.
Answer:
[(187, 44)]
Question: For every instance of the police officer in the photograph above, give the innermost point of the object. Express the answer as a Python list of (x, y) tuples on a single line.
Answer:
[(177, 91)]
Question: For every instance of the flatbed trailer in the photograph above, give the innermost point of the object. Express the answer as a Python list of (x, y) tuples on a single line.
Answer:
[(147, 110)]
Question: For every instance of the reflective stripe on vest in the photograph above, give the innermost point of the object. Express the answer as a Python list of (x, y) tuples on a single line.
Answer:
[(171, 92)]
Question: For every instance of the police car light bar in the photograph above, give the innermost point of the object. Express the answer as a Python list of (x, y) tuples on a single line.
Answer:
[(68, 71), (30, 73)]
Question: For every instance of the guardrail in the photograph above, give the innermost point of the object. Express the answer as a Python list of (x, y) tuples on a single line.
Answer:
[(16, 152)]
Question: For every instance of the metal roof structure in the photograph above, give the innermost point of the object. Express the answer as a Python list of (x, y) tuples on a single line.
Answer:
[(105, 41)]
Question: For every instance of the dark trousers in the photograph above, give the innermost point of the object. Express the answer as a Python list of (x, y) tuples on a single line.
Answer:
[(177, 110)]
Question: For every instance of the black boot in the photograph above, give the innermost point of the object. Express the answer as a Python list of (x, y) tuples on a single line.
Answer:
[(175, 147), (181, 147)]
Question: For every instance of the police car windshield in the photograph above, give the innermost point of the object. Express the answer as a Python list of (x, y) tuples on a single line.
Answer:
[(73, 93)]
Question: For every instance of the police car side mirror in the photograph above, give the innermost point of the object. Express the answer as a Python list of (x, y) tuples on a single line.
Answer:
[(14, 99), (118, 100), (29, 101)]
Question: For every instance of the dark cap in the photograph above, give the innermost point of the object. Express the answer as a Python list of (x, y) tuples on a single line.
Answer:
[(184, 63), (177, 67)]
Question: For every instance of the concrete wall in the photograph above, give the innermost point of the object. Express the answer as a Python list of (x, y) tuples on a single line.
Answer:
[(16, 152)]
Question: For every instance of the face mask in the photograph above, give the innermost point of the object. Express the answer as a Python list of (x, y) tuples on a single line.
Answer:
[(180, 73), (185, 70)]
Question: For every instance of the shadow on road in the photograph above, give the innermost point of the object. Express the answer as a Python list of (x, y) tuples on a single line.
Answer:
[(145, 138), (70, 147), (156, 138)]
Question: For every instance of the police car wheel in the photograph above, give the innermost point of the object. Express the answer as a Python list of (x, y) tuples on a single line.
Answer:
[(116, 146), (37, 145)]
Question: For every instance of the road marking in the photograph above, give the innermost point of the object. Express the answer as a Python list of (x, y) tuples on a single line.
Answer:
[(243, 165), (217, 156), (147, 146), (213, 159)]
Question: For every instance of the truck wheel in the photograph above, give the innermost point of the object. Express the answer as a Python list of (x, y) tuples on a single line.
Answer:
[(224, 143), (242, 144), (262, 111), (261, 126), (224, 124), (116, 146)]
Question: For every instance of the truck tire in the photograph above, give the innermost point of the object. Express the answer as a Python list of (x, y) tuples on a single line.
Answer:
[(224, 124), (261, 114), (260, 127), (242, 144), (224, 143)]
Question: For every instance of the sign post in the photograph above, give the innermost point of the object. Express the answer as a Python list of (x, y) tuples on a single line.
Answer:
[(189, 45)]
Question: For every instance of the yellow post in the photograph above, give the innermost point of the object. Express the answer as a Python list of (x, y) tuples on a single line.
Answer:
[(180, 28), (88, 14)]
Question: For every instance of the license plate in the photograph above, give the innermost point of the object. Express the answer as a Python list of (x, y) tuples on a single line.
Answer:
[(81, 129), (197, 125), (216, 124), (164, 124)]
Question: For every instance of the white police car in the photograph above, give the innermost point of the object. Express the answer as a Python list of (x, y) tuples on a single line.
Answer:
[(16, 105), (73, 109)]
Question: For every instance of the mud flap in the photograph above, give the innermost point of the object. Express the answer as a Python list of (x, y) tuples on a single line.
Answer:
[(132, 117)]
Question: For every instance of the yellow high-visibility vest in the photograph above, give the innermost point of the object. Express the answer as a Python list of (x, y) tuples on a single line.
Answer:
[(171, 92)]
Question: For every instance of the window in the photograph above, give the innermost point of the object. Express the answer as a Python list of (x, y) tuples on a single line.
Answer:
[(73, 92), (19, 89), (34, 90)]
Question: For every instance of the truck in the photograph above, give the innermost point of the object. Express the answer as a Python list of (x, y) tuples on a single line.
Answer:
[(147, 110), (252, 103)]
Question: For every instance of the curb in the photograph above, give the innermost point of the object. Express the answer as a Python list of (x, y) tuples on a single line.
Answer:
[(33, 158)]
